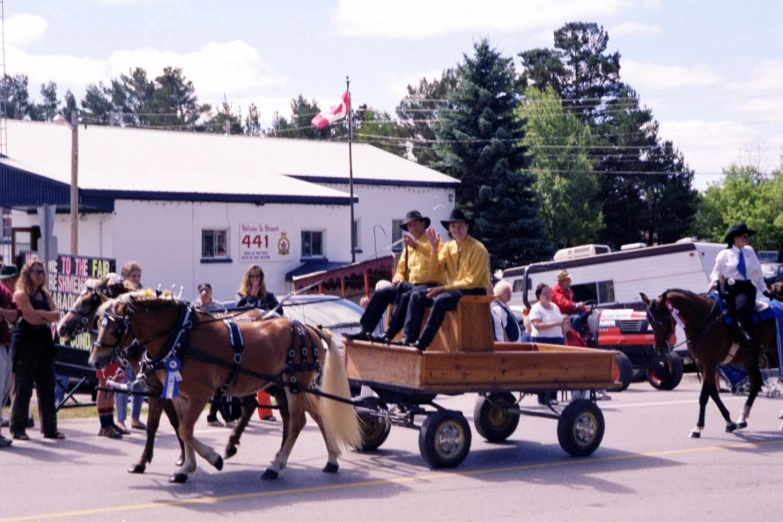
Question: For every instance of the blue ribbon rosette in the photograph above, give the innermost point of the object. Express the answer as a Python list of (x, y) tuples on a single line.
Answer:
[(171, 385)]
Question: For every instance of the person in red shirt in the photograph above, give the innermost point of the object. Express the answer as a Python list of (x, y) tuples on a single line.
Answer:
[(9, 313), (563, 297)]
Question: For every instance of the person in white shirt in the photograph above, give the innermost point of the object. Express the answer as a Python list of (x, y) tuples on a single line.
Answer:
[(545, 318), (506, 326), (738, 271)]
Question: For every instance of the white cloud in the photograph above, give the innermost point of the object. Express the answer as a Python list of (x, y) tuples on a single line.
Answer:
[(708, 146), (766, 75), (649, 76), (22, 30), (414, 19), (397, 84), (762, 105), (633, 28), (217, 68)]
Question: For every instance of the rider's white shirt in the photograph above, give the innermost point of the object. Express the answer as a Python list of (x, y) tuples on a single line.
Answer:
[(726, 266)]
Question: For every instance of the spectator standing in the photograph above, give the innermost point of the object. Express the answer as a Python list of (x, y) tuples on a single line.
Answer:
[(131, 276), (546, 327), (253, 293), (506, 326), (9, 313), (35, 353)]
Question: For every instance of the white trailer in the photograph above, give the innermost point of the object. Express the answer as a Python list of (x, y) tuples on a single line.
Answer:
[(617, 278)]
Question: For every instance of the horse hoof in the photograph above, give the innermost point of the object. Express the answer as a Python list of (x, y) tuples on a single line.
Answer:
[(180, 462), (230, 451), (178, 478), (270, 475), (137, 468), (219, 463), (741, 425), (331, 468), (695, 435), (730, 427)]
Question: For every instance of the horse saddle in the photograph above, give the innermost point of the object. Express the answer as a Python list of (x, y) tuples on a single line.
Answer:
[(762, 311)]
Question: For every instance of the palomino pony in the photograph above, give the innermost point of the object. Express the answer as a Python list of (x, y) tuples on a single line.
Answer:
[(710, 342), (180, 343), (81, 318)]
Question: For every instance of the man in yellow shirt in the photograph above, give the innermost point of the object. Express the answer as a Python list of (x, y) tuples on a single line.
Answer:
[(465, 261), (413, 275)]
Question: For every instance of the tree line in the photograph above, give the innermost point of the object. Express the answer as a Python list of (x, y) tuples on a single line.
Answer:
[(558, 153)]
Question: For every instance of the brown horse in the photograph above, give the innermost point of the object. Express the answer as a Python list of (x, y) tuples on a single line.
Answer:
[(81, 318), (710, 342), (277, 351)]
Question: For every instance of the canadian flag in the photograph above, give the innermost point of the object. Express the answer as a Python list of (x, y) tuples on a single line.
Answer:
[(335, 113)]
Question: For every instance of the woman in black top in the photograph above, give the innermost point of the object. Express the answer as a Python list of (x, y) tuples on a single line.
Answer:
[(252, 290), (35, 352)]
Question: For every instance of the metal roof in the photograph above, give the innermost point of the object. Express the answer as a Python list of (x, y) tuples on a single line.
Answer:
[(124, 163)]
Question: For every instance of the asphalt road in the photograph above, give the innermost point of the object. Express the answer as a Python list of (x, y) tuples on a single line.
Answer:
[(647, 469)]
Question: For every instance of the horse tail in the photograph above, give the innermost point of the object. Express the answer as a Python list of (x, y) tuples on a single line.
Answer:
[(339, 419)]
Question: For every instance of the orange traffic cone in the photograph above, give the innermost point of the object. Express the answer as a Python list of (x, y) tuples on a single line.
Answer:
[(264, 413)]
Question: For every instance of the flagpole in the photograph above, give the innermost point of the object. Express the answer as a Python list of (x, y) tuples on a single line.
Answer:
[(350, 167)]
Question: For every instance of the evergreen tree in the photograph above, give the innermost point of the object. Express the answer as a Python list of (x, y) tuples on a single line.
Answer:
[(482, 146), (49, 106), (253, 121), (70, 104), (97, 103), (216, 124), (17, 103), (372, 126)]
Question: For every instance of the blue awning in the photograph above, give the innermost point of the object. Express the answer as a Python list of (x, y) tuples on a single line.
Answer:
[(315, 265)]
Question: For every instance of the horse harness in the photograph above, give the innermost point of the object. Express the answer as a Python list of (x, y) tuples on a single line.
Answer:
[(178, 346), (706, 326)]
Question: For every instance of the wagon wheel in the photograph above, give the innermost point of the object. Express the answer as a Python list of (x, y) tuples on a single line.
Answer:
[(668, 374), (580, 428), (492, 417), (444, 439), (375, 429), (623, 371)]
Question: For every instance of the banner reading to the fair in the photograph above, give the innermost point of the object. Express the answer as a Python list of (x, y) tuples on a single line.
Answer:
[(65, 279), (263, 242)]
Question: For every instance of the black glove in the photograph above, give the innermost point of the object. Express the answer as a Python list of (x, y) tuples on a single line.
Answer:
[(768, 295), (714, 289)]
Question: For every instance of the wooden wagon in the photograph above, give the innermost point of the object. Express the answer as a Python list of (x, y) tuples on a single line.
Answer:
[(464, 359)]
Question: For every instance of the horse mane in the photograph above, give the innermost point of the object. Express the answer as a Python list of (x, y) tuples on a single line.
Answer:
[(148, 299)]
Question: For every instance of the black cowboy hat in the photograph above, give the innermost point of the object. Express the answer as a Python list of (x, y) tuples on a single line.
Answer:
[(7, 271), (457, 215), (414, 215), (737, 230)]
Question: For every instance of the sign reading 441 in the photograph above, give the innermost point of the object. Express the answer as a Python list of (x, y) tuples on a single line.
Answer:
[(263, 242)]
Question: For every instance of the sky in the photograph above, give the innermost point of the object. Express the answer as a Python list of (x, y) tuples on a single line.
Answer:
[(710, 70)]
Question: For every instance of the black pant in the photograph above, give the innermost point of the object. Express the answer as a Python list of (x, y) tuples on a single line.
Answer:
[(742, 296), (34, 364), (381, 299), (445, 302)]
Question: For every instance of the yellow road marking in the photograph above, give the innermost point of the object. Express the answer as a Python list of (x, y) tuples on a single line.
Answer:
[(379, 482)]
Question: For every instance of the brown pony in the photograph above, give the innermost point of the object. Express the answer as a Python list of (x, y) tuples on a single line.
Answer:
[(276, 351), (710, 342), (81, 318)]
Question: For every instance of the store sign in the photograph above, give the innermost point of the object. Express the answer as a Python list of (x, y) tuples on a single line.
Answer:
[(65, 280), (263, 242)]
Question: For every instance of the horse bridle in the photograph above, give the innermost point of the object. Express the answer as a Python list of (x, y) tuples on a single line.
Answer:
[(701, 332)]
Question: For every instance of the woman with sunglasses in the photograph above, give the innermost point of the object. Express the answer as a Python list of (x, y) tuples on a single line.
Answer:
[(35, 353), (253, 293)]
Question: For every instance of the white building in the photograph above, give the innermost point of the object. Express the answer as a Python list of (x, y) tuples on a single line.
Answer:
[(173, 200)]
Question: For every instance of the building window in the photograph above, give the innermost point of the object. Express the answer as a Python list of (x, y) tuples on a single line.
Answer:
[(5, 229), (357, 234), (214, 243), (396, 236), (312, 243)]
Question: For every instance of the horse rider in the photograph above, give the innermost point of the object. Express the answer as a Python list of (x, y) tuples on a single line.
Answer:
[(465, 261), (412, 276), (738, 270)]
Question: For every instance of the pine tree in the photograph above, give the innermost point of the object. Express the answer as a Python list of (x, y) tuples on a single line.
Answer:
[(481, 145)]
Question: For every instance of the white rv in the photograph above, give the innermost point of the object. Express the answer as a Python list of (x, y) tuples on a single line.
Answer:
[(618, 277)]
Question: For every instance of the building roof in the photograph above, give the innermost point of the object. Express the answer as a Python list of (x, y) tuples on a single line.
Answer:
[(125, 163)]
